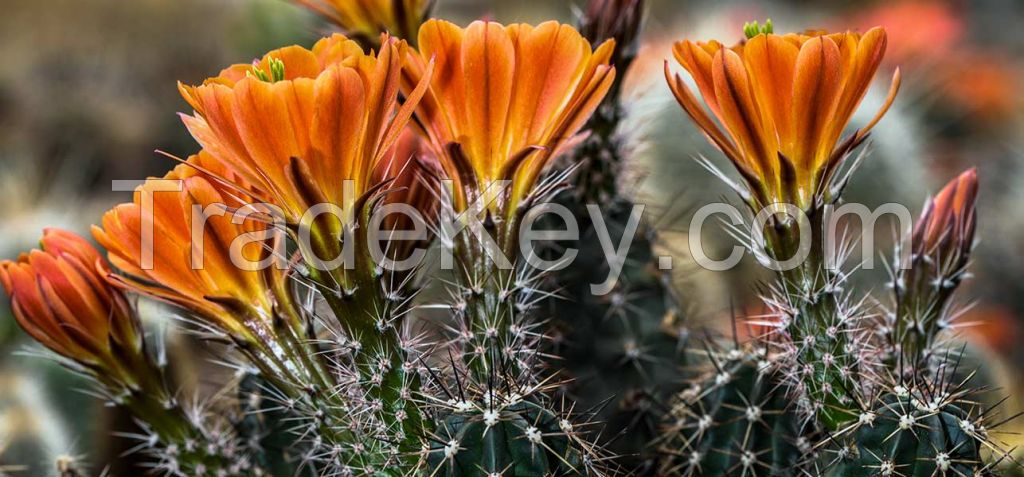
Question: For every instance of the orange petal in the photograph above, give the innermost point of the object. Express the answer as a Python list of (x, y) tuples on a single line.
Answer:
[(381, 99), (816, 89), (441, 41), (29, 305), (298, 62), (894, 89), (488, 59), (335, 49), (739, 112), (33, 313), (551, 60), (264, 125), (692, 106), (337, 127), (865, 61), (404, 114), (698, 62), (772, 64)]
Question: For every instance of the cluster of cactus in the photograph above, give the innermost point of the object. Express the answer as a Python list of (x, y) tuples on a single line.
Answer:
[(341, 370)]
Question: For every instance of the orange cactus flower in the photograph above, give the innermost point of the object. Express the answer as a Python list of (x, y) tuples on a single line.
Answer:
[(922, 31), (227, 284), (60, 297), (510, 98), (783, 102), (367, 19), (299, 123)]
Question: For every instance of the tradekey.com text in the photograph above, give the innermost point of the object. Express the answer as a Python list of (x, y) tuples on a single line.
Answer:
[(559, 224)]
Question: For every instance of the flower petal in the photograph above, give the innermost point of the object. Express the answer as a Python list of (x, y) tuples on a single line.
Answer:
[(864, 64), (739, 112), (816, 91), (771, 61), (489, 61)]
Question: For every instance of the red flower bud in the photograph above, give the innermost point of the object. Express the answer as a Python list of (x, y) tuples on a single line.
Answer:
[(944, 234), (60, 297)]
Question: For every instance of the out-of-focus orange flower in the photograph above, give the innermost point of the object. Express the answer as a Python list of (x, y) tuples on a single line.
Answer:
[(784, 101), (367, 19), (299, 123), (990, 91), (994, 327), (510, 98), (944, 235), (920, 31), (61, 298), (226, 284)]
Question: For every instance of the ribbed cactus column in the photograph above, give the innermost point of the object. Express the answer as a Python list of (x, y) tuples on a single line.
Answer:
[(821, 334), (183, 444), (622, 346), (910, 433), (371, 366), (499, 418), (734, 420), (490, 304), (509, 434), (928, 272), (623, 350)]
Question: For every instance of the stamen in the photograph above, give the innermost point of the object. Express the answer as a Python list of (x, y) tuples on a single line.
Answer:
[(754, 28)]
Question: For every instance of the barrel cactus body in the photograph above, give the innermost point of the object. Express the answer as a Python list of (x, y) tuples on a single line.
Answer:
[(626, 346), (737, 420), (914, 436), (514, 436), (734, 421)]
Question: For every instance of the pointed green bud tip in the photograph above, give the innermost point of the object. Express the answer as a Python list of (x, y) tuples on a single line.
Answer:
[(754, 28)]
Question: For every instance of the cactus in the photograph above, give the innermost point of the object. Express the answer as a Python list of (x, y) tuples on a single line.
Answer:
[(627, 346), (914, 436), (859, 394), (335, 367), (507, 433), (736, 420), (623, 350)]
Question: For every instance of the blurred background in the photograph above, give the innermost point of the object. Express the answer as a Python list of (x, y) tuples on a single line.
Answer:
[(88, 92)]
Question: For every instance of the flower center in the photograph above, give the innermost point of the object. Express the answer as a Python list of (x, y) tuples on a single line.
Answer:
[(752, 29), (276, 71)]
